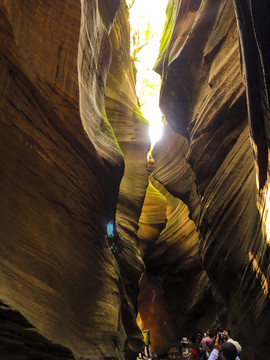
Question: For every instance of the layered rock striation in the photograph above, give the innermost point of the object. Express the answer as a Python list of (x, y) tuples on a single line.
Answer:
[(61, 168), (79, 227), (131, 131), (207, 161)]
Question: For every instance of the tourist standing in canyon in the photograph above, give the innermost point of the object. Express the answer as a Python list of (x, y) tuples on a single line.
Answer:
[(146, 340), (207, 345), (235, 343), (187, 352), (227, 350)]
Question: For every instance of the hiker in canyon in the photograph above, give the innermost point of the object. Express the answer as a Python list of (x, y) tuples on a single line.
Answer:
[(146, 340), (187, 352), (227, 350)]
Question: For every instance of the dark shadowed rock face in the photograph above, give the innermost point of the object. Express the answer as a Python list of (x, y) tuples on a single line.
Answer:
[(187, 252), (19, 340), (254, 30)]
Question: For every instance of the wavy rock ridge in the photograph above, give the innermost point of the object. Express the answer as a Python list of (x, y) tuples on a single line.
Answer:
[(206, 160), (79, 226), (61, 167)]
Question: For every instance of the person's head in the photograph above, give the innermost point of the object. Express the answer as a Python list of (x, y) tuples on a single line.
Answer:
[(184, 342), (174, 351), (207, 344), (228, 351), (227, 333), (236, 344)]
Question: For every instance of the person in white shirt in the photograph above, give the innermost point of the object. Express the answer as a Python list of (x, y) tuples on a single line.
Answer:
[(227, 350), (234, 342)]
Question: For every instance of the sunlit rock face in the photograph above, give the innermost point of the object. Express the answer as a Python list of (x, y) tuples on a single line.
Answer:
[(207, 162), (61, 168), (131, 131)]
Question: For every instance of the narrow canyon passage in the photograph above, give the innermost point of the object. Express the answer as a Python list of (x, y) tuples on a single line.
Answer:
[(96, 244)]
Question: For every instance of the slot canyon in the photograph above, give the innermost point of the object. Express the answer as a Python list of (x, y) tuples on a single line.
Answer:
[(96, 244)]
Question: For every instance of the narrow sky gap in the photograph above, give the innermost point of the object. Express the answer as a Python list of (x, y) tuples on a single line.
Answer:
[(147, 18)]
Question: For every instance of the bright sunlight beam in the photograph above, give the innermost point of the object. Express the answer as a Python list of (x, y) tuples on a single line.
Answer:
[(147, 18)]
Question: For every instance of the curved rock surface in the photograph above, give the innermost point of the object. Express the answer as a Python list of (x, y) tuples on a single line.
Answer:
[(254, 30), (131, 131), (210, 166), (61, 167), (175, 292), (85, 245)]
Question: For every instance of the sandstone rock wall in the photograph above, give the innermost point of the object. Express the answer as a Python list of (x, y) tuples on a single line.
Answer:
[(207, 161), (61, 168), (254, 31), (73, 153), (131, 131), (175, 292)]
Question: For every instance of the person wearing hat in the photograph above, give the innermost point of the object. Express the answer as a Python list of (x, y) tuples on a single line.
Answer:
[(187, 349), (208, 345)]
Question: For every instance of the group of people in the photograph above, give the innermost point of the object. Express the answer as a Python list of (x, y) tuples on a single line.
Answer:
[(205, 347), (199, 347)]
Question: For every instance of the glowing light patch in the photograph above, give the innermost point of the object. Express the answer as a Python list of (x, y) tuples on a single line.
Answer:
[(147, 20), (263, 204), (110, 229), (259, 274)]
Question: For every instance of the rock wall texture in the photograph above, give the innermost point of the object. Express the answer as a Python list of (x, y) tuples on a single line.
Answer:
[(215, 98), (61, 168), (131, 131), (254, 30), (174, 282), (79, 226)]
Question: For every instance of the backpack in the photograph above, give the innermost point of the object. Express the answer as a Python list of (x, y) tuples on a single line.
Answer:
[(187, 354)]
